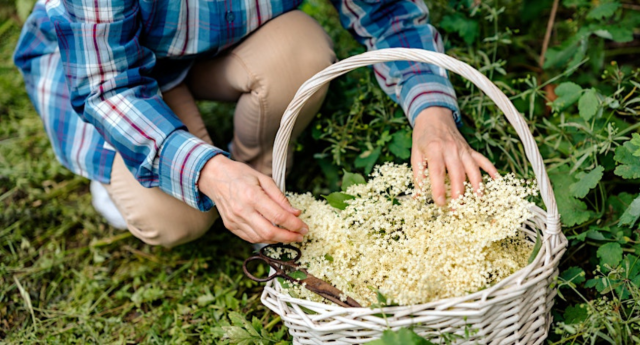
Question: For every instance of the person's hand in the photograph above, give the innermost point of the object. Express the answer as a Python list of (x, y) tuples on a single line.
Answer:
[(249, 202), (437, 141)]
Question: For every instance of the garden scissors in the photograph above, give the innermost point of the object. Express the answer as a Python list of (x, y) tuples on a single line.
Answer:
[(284, 267)]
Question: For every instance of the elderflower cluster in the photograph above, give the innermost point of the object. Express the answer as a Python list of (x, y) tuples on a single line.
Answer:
[(392, 238)]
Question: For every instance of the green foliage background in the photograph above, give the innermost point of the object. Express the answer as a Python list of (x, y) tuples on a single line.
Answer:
[(67, 277)]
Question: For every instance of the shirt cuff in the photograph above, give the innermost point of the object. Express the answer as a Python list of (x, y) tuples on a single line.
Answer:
[(421, 91), (182, 157)]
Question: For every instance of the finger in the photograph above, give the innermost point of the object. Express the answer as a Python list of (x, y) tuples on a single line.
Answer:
[(456, 173), (247, 233), (228, 218), (417, 164), (276, 194), (485, 164), (472, 170), (236, 222), (435, 163), (272, 234), (273, 212), (241, 228)]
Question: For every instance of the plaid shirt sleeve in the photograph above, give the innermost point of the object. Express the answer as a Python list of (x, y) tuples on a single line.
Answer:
[(107, 71), (401, 24)]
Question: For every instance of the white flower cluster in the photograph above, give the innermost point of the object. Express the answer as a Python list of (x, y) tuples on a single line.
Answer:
[(392, 238)]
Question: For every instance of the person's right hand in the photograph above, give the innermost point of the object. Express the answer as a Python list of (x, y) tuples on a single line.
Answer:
[(249, 202)]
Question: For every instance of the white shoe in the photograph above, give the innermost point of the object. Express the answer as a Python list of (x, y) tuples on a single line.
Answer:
[(104, 205)]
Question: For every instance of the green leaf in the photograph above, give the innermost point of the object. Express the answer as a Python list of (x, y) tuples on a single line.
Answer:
[(629, 167), (631, 266), (403, 336), (572, 210), (239, 320), (536, 248), (575, 314), (349, 179), (143, 295), (575, 3), (337, 199), (591, 283), (579, 56), (588, 104), (595, 235), (400, 145), (572, 48), (635, 140), (631, 214), (367, 159), (383, 139), (605, 10), (600, 283), (559, 55), (586, 182), (237, 335), (568, 93), (205, 299), (610, 254), (328, 257), (620, 34), (285, 284), (573, 274), (382, 299), (580, 237), (466, 28), (256, 324), (603, 33), (619, 203), (298, 275), (242, 332)]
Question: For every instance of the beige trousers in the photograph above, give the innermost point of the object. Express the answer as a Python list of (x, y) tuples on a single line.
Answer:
[(262, 74)]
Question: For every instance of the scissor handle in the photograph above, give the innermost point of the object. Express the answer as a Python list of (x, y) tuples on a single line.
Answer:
[(279, 271), (283, 246)]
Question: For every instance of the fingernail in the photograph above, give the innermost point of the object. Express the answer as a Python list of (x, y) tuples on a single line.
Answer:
[(304, 230), (440, 200), (299, 239)]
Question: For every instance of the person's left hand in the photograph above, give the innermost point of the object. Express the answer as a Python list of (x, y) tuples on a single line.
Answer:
[(437, 141)]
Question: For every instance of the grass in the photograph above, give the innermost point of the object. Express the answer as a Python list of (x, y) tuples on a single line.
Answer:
[(67, 277)]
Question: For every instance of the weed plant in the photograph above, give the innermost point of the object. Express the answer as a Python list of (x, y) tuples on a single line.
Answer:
[(67, 277)]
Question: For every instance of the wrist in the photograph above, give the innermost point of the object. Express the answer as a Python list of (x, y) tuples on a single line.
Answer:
[(212, 168), (434, 117)]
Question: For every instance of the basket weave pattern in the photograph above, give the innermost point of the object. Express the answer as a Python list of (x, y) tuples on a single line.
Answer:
[(514, 311)]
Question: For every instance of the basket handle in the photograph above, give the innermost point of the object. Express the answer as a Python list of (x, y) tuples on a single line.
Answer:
[(393, 54)]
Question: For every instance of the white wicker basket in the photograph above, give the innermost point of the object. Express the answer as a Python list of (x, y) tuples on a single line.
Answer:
[(514, 311)]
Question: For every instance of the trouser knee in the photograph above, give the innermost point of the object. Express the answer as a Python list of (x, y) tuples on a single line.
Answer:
[(152, 215), (157, 230)]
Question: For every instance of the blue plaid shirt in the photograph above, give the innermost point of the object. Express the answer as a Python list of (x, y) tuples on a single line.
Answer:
[(95, 69)]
